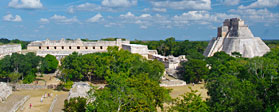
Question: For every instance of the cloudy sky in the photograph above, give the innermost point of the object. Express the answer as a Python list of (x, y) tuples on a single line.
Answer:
[(133, 19)]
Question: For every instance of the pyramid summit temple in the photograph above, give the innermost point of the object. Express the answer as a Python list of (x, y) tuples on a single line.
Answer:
[(235, 36)]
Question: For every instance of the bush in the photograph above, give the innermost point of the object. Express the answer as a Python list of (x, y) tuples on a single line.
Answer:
[(75, 105), (29, 79), (49, 64), (68, 85)]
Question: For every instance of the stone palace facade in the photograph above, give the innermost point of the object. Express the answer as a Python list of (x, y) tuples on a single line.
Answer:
[(8, 49), (65, 47)]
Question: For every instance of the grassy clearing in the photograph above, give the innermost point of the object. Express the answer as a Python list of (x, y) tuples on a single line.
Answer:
[(180, 90)]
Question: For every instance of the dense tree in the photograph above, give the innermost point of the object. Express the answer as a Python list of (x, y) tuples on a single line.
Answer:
[(77, 104), (99, 65), (194, 70), (24, 64), (227, 93), (15, 41), (231, 82), (123, 93), (49, 64), (192, 49)]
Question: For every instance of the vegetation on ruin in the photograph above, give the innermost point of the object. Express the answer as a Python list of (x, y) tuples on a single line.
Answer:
[(15, 41), (192, 49)]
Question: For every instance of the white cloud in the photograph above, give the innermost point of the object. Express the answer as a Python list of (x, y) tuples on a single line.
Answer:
[(44, 20), (261, 15), (145, 20), (111, 24), (183, 4), (145, 16), (119, 3), (89, 7), (11, 18), (261, 4), (128, 15), (96, 18), (64, 19), (230, 2), (200, 17), (159, 9), (25, 4)]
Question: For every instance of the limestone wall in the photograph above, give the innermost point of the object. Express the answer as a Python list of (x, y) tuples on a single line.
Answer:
[(65, 47), (8, 49), (5, 91), (79, 89), (136, 48)]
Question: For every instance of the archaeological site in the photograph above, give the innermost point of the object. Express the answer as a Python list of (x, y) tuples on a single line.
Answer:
[(235, 36)]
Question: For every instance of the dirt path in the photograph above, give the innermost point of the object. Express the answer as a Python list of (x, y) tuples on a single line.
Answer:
[(35, 98), (9, 103), (59, 105)]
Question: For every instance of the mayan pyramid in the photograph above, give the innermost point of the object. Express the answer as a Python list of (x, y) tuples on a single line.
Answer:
[(235, 36)]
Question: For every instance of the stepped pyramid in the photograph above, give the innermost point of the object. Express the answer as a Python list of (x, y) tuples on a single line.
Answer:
[(235, 36)]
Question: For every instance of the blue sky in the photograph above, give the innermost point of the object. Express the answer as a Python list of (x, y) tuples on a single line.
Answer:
[(133, 19)]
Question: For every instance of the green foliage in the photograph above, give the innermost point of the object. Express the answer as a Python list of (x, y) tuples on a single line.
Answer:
[(192, 49), (236, 54), (49, 64), (194, 70), (111, 39), (123, 93), (68, 85), (77, 104), (15, 41), (241, 84), (29, 79), (23, 64), (14, 76), (189, 102), (227, 93), (78, 67)]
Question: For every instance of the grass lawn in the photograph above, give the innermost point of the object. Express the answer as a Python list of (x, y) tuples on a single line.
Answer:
[(180, 90)]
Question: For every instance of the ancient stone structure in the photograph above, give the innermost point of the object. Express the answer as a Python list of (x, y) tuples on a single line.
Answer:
[(172, 83), (79, 89), (60, 48), (172, 64), (5, 91), (235, 36), (8, 49), (139, 49)]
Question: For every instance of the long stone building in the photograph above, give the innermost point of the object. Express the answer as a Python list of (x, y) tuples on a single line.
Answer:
[(61, 48), (235, 36), (8, 49)]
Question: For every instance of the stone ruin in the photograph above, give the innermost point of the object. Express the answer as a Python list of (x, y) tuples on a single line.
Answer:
[(172, 64), (79, 89), (8, 49), (235, 36), (5, 91), (61, 48)]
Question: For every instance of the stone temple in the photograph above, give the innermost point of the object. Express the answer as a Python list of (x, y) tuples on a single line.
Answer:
[(235, 36)]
